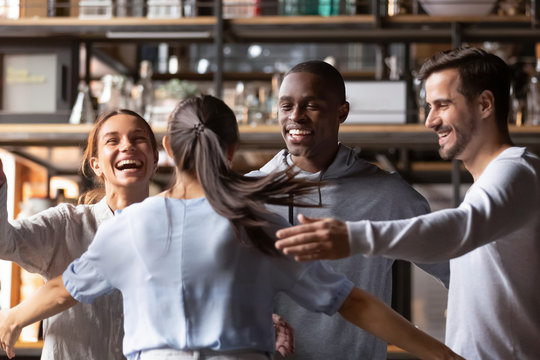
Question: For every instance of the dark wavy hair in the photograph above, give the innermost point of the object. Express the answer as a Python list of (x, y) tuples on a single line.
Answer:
[(201, 129), (478, 71)]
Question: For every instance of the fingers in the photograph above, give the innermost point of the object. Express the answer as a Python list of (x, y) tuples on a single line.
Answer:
[(10, 351), (303, 219), (315, 239), (284, 336), (297, 230)]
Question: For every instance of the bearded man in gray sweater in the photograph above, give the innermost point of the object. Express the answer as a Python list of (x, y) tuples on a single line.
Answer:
[(312, 105)]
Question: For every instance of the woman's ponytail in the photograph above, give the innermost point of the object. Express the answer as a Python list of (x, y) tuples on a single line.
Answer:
[(202, 130)]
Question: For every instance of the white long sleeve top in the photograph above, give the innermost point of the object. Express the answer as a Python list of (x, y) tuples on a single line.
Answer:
[(46, 243), (493, 239)]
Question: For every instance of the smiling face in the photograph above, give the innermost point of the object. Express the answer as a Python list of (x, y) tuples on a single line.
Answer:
[(451, 116), (125, 157), (310, 114)]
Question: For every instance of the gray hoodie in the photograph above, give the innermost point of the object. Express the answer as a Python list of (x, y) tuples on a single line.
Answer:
[(355, 190)]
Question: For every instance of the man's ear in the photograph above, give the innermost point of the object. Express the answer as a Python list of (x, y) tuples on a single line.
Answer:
[(487, 103), (94, 164), (343, 112)]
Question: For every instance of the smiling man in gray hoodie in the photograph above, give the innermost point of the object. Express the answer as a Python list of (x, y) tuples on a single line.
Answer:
[(312, 106)]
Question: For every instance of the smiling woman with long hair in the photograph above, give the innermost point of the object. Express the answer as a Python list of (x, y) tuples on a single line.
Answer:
[(122, 155)]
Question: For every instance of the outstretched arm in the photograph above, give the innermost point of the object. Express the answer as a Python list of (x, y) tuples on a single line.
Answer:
[(315, 239), (374, 316), (49, 300)]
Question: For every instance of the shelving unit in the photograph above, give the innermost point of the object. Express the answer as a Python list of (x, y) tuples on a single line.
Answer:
[(370, 28), (414, 136)]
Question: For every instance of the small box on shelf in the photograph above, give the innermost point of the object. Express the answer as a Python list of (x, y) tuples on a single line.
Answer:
[(164, 9), (95, 9)]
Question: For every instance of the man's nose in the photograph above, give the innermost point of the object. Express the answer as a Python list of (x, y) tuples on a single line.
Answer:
[(432, 119), (296, 114)]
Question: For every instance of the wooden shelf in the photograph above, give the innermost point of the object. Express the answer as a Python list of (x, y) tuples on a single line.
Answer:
[(199, 28), (431, 19), (414, 136), (277, 28)]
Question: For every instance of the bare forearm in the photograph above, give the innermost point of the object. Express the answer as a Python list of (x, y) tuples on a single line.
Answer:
[(374, 316), (49, 300)]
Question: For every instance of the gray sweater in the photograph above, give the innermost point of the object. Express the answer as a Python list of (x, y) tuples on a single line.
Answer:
[(355, 190)]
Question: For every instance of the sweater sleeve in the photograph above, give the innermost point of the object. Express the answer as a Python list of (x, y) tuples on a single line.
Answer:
[(33, 242), (491, 209)]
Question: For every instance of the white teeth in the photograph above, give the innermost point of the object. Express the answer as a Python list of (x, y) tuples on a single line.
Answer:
[(443, 135), (128, 163), (299, 132)]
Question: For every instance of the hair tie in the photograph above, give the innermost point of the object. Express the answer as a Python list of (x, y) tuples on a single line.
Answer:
[(199, 128)]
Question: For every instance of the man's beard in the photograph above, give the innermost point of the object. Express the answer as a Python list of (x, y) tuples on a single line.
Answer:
[(463, 138)]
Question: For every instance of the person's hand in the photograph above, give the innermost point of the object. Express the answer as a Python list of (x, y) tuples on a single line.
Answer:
[(2, 174), (9, 333), (284, 336), (315, 239)]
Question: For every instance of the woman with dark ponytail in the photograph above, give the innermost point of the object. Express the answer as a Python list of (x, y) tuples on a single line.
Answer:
[(203, 132), (196, 265)]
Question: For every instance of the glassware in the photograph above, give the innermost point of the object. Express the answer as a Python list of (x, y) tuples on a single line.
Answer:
[(83, 111), (57, 8), (95, 9), (143, 91), (533, 95), (164, 9), (130, 8)]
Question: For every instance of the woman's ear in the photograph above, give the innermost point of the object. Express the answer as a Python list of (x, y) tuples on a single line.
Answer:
[(94, 164), (231, 150), (167, 146)]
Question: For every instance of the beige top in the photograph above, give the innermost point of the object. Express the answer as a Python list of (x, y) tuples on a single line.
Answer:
[(46, 243)]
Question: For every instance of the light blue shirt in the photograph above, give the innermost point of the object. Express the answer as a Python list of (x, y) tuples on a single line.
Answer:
[(188, 283)]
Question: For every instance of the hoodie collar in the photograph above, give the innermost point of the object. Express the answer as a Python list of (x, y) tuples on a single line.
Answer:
[(346, 163)]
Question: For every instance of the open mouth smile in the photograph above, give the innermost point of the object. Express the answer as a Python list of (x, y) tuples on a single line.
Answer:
[(298, 134), (129, 164), (443, 136)]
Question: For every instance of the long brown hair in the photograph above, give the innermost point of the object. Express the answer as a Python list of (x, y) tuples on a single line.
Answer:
[(97, 193), (201, 130)]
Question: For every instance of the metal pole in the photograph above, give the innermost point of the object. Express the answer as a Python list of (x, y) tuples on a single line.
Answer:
[(218, 46), (456, 164)]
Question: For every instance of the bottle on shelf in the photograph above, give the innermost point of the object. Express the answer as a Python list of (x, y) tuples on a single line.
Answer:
[(112, 96), (164, 9), (299, 7), (58, 8), (95, 9), (129, 8), (143, 91), (239, 103), (533, 95), (83, 110)]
